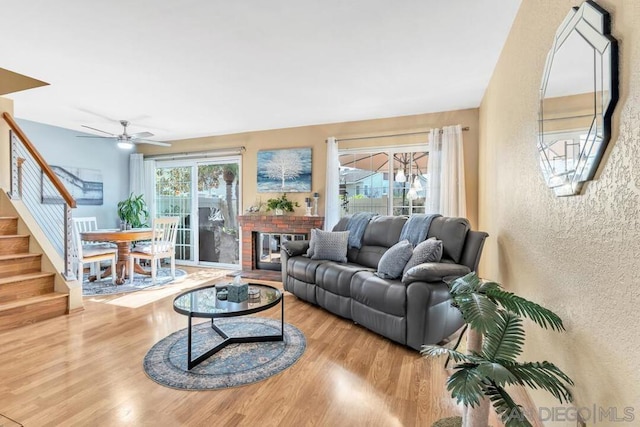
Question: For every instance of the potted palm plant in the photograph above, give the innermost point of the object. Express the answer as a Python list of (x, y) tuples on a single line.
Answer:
[(133, 211), (495, 340)]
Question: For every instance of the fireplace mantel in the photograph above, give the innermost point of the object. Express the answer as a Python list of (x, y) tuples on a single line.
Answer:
[(283, 224)]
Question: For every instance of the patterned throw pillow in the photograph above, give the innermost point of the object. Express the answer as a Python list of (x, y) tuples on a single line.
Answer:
[(392, 263), (330, 245), (428, 251)]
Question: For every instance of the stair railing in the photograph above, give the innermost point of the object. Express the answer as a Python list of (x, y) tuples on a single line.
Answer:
[(41, 190)]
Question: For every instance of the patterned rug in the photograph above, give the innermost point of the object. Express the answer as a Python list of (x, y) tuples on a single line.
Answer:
[(234, 365), (140, 282)]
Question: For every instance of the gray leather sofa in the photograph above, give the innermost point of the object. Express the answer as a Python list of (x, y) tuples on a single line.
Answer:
[(414, 310)]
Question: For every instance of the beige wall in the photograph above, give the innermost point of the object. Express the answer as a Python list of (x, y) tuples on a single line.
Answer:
[(576, 255), (315, 136)]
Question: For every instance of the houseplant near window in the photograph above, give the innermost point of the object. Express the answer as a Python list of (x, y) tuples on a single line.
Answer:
[(495, 340), (281, 204), (133, 211)]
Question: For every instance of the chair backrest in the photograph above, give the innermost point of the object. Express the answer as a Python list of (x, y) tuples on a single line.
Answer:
[(81, 225), (164, 236)]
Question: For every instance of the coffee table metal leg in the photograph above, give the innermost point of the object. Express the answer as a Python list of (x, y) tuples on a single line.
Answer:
[(189, 344), (226, 340)]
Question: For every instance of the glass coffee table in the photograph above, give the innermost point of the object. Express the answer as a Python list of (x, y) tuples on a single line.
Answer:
[(204, 303)]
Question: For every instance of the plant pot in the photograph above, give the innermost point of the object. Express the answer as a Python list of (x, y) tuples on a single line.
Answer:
[(279, 211)]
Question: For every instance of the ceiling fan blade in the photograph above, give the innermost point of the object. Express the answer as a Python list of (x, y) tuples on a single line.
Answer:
[(98, 130), (148, 141), (94, 113), (94, 136), (141, 135)]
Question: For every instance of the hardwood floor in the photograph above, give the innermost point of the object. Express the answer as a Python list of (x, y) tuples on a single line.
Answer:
[(86, 369)]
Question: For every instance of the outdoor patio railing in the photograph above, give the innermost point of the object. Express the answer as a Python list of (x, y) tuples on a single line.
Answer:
[(40, 189)]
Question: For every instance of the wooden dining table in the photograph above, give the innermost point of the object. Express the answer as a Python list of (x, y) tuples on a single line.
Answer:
[(123, 240)]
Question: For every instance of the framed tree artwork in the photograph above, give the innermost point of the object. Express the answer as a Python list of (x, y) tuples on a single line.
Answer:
[(284, 171)]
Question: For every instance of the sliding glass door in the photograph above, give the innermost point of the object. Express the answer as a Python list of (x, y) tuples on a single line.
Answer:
[(218, 205), (206, 196), (174, 197)]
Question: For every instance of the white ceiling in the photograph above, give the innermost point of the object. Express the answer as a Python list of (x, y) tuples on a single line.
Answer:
[(193, 68)]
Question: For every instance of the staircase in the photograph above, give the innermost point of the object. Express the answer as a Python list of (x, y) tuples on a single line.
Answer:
[(26, 293)]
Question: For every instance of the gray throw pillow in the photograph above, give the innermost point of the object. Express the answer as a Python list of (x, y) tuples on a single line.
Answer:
[(392, 263), (330, 245), (428, 251), (311, 242)]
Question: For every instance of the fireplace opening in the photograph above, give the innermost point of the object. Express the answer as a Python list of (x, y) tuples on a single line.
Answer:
[(267, 248)]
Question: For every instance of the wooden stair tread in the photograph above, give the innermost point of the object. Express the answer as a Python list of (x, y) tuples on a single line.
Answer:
[(32, 300), (23, 277), (18, 256), (12, 236), (8, 217)]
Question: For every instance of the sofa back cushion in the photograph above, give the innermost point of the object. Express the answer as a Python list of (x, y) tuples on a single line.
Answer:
[(381, 233), (452, 232)]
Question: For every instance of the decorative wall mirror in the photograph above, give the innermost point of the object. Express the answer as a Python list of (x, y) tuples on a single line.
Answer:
[(578, 94)]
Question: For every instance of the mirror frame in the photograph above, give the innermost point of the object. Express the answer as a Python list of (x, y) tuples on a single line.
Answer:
[(593, 24)]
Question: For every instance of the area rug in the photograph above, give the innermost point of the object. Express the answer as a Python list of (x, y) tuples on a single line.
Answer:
[(140, 282), (234, 365)]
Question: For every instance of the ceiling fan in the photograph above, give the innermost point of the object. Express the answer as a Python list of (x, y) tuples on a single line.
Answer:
[(126, 140)]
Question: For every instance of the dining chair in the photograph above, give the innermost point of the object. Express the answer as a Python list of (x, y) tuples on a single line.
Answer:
[(91, 253), (161, 246)]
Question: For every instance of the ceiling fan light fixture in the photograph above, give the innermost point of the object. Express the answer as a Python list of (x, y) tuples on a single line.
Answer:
[(125, 145)]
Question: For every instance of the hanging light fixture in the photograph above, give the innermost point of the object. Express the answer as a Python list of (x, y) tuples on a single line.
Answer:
[(416, 183), (412, 194), (400, 176), (125, 145)]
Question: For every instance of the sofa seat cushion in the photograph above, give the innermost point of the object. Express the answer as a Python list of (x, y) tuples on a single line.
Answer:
[(383, 295), (336, 277), (303, 269), (434, 272)]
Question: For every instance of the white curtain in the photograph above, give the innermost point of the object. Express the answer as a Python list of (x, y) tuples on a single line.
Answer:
[(332, 185), (149, 186), (142, 180), (136, 171), (435, 148), (446, 172)]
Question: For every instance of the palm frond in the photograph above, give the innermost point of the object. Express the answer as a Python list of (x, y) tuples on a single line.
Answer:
[(542, 316), (510, 413), (487, 286), (505, 340), (437, 351), (465, 284), (477, 310), (465, 385), (544, 375), (496, 373)]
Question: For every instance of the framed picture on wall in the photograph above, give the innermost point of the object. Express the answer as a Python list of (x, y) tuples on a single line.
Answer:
[(284, 171), (85, 185)]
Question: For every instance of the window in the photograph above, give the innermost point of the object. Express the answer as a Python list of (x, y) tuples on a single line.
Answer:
[(390, 182)]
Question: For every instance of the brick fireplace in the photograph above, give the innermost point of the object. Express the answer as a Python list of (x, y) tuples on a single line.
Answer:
[(275, 224)]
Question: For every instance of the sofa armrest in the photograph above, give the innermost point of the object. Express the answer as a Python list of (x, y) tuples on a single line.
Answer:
[(289, 249), (434, 272), (430, 315), (295, 247)]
